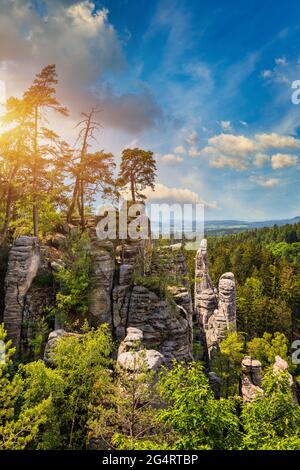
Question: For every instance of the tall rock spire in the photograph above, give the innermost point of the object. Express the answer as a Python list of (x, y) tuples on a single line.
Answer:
[(216, 310)]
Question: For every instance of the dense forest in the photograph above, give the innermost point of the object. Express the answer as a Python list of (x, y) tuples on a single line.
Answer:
[(78, 397)]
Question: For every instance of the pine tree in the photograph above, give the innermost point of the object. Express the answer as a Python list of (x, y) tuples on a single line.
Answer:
[(47, 147), (138, 171)]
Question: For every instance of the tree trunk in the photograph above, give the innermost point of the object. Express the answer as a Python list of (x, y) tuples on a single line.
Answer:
[(82, 221), (132, 188), (8, 209), (78, 188), (73, 202), (35, 215)]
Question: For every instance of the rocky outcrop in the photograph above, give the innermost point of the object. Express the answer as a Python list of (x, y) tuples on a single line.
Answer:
[(103, 268), (53, 338), (216, 310), (23, 264), (251, 379), (127, 258), (132, 357), (165, 320), (280, 365), (120, 294), (164, 324)]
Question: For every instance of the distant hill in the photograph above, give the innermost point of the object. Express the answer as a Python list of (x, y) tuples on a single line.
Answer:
[(241, 224), (222, 227)]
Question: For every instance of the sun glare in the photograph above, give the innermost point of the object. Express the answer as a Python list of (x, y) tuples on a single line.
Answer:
[(2, 96)]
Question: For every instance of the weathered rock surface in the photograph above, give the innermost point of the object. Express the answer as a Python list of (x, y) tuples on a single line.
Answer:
[(280, 365), (165, 325), (216, 310), (133, 357), (136, 361), (53, 338), (23, 264), (103, 266), (251, 379)]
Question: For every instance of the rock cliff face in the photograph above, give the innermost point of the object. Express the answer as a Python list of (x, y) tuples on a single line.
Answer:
[(23, 264), (165, 322), (116, 296), (103, 265), (216, 309)]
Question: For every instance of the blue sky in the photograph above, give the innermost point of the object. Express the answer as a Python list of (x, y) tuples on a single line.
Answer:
[(204, 84)]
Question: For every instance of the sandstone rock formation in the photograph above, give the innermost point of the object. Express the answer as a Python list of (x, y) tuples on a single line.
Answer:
[(280, 365), (251, 379), (165, 325), (119, 294), (133, 358), (166, 322), (23, 264), (53, 338), (216, 310), (103, 266)]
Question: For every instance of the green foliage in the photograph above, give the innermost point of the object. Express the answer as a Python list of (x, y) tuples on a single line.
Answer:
[(125, 417), (44, 408), (227, 363), (198, 420), (273, 422), (20, 422), (72, 298), (137, 170), (267, 271), (267, 347)]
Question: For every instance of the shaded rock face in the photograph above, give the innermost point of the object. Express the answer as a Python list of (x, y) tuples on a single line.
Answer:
[(103, 266), (127, 257), (115, 297), (216, 309), (165, 325), (23, 264), (251, 379)]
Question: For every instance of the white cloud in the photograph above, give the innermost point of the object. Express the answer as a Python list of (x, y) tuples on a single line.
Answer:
[(194, 152), (265, 182), (85, 46), (274, 140), (226, 125), (280, 61), (260, 159), (171, 195), (180, 149), (280, 160), (192, 139), (170, 159), (229, 150), (266, 73), (244, 123), (239, 152)]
